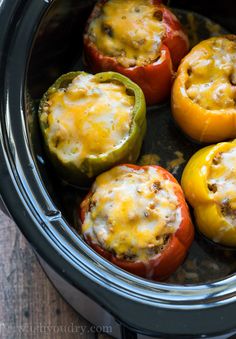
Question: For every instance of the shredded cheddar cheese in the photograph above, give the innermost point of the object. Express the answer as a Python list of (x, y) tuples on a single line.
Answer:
[(132, 212), (150, 159), (130, 30), (222, 183), (88, 118), (212, 74), (174, 164)]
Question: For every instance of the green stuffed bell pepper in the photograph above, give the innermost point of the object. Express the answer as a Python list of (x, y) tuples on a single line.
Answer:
[(91, 123)]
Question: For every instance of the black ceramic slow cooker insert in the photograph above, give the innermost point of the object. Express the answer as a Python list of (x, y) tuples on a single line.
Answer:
[(39, 41)]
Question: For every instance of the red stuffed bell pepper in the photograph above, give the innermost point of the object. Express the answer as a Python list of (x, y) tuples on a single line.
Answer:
[(141, 39), (137, 218)]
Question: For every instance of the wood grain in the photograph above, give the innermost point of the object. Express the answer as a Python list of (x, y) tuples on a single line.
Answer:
[(30, 307)]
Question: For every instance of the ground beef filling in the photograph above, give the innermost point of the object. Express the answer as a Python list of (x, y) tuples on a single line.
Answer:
[(132, 213), (212, 74), (131, 31), (88, 118), (222, 183)]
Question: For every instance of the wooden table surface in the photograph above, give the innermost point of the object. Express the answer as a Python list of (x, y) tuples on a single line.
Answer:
[(30, 307)]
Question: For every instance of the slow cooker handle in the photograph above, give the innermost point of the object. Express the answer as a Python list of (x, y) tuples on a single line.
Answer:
[(126, 333)]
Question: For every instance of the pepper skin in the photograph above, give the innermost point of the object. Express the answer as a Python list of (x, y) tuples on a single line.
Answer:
[(91, 166), (160, 266), (208, 213), (154, 78), (211, 115)]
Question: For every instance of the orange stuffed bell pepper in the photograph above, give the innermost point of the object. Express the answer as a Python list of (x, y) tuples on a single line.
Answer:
[(204, 91), (209, 184), (141, 39), (137, 218)]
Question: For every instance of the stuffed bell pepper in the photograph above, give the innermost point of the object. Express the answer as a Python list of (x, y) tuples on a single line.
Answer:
[(204, 92), (92, 122), (141, 39), (137, 218), (209, 184)]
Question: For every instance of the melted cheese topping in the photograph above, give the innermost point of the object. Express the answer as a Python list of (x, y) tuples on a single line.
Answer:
[(130, 30), (222, 183), (88, 118), (212, 74), (132, 212)]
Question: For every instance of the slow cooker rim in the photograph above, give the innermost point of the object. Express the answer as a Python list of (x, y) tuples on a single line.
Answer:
[(12, 171), (138, 279)]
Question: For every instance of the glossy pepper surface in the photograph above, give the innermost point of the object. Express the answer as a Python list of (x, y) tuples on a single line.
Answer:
[(163, 264), (209, 212), (81, 172), (155, 78), (204, 108)]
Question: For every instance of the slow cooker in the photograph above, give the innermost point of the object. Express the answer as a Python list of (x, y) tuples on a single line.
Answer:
[(40, 40)]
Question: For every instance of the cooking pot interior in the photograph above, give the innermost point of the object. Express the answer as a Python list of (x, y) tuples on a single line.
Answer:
[(58, 49)]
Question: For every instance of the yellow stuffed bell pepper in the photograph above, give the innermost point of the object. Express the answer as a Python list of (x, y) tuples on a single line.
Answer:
[(209, 184), (204, 91)]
